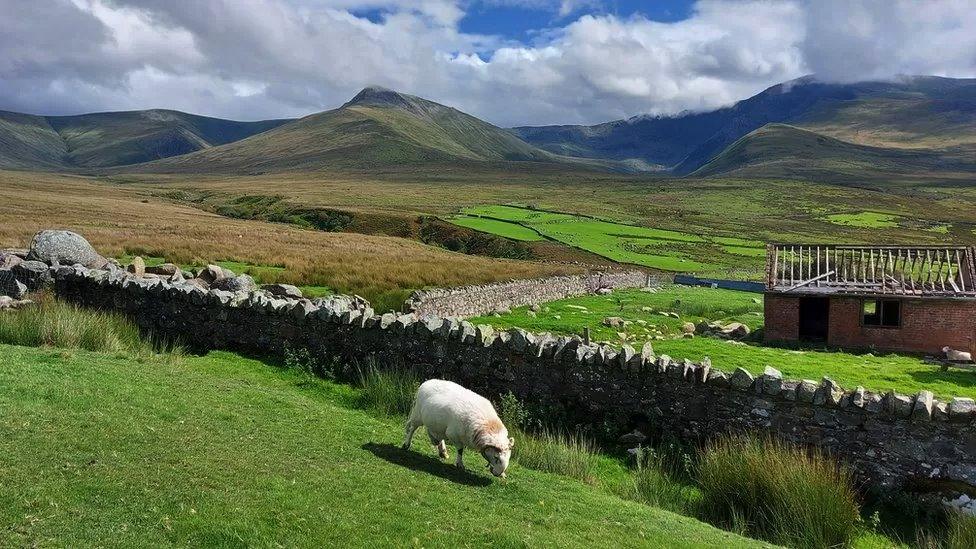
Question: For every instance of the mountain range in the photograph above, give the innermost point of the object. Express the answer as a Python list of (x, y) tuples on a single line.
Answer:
[(802, 128)]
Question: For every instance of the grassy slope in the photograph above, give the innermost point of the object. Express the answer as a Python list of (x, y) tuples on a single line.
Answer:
[(780, 150), (377, 128), (219, 450), (29, 142), (932, 113), (905, 374), (112, 139)]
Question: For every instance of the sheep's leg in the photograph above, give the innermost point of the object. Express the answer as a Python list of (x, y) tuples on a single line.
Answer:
[(442, 450), (459, 463), (409, 430)]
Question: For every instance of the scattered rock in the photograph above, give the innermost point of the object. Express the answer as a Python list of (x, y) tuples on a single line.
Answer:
[(531, 313), (64, 248), (633, 437), (577, 307), (535, 308), (165, 269), (210, 274), (8, 303), (604, 291), (613, 321), (137, 267), (242, 283), (283, 290)]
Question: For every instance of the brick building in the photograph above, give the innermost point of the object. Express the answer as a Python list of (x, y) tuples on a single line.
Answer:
[(915, 299)]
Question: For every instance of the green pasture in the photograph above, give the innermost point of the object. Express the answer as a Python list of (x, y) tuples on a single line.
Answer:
[(650, 317), (101, 450), (663, 249), (866, 220)]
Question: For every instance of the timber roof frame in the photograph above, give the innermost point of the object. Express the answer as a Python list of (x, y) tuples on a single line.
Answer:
[(871, 270)]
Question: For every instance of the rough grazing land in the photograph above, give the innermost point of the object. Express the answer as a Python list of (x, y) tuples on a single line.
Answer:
[(102, 450), (887, 439)]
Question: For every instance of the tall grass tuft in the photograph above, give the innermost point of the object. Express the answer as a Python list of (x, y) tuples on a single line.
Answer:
[(777, 492), (570, 455), (58, 324), (389, 392), (656, 481)]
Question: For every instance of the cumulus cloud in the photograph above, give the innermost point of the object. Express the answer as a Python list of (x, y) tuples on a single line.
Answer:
[(251, 59)]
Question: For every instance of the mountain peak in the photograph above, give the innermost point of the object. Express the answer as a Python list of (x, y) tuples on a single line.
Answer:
[(378, 96)]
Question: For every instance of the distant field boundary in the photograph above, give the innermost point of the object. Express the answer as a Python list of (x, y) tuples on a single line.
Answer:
[(468, 301), (741, 285)]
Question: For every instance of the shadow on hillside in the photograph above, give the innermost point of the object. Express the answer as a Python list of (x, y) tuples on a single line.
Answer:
[(425, 463)]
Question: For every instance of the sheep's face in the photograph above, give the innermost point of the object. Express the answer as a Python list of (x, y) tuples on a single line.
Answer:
[(498, 459)]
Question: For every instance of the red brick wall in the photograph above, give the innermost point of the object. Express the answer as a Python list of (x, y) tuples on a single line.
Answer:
[(927, 325), (782, 322)]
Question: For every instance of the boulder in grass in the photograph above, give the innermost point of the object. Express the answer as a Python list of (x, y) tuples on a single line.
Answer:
[(283, 290), (242, 283), (164, 269), (63, 248), (137, 267), (211, 274)]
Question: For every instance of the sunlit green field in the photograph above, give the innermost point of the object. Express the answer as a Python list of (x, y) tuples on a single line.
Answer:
[(100, 449), (649, 317), (871, 220), (650, 247)]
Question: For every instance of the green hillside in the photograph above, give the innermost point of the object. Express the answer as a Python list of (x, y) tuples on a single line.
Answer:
[(112, 139), (923, 113), (784, 151), (28, 142), (376, 128), (106, 450)]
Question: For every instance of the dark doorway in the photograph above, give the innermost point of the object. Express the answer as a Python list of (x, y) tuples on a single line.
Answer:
[(814, 316)]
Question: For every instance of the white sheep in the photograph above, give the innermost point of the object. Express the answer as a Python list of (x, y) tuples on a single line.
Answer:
[(957, 356), (463, 418)]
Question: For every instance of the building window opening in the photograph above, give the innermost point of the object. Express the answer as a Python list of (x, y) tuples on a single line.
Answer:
[(882, 312)]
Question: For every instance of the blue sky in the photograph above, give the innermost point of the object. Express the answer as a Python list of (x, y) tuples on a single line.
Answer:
[(510, 62), (523, 20)]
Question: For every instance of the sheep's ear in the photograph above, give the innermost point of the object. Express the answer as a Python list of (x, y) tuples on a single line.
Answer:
[(511, 443)]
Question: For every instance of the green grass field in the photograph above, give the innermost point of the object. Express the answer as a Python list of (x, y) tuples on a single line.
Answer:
[(643, 310), (105, 449), (658, 248), (869, 220)]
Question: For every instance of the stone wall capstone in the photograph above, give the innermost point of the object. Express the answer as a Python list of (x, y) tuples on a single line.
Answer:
[(887, 439), (468, 301)]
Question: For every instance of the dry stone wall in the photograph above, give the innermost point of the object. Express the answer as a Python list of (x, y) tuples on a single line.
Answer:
[(887, 439), (468, 301)]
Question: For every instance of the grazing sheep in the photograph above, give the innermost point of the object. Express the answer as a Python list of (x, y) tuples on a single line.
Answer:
[(463, 418), (957, 356)]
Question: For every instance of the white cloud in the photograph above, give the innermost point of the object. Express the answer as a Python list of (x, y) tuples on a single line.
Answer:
[(254, 59)]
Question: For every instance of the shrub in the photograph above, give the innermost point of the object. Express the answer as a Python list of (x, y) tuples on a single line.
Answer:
[(571, 455), (389, 392), (777, 492), (57, 324), (959, 532)]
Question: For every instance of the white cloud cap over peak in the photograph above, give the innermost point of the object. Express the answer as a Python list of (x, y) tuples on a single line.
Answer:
[(251, 59)]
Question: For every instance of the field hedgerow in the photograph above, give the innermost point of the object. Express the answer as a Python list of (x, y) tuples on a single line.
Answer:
[(777, 492)]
